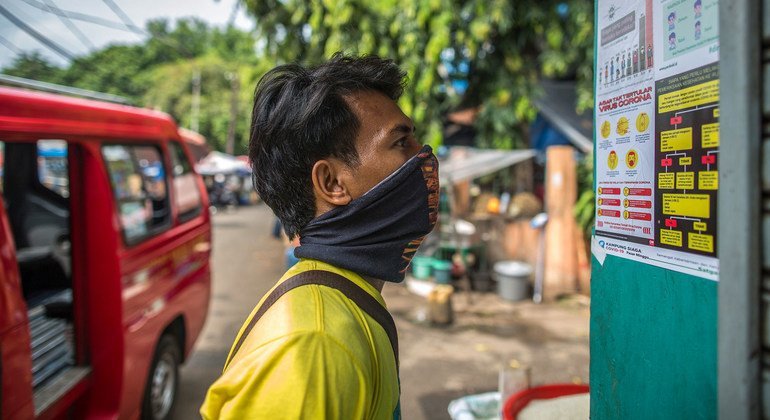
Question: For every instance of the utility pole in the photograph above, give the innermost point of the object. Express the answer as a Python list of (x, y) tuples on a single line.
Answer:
[(235, 86), (196, 100)]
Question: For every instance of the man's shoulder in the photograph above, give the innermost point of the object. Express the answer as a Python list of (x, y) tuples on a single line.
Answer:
[(307, 316)]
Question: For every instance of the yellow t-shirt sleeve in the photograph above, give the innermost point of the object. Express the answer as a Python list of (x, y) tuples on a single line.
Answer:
[(307, 375)]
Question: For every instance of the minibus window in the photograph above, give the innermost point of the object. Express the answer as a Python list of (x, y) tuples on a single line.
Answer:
[(52, 166), (187, 197), (138, 180)]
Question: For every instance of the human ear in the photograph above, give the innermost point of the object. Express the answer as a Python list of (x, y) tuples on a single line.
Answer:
[(328, 186)]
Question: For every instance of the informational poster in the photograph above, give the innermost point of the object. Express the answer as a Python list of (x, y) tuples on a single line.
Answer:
[(657, 133)]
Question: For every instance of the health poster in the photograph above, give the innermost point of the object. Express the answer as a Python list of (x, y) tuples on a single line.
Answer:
[(625, 45), (657, 134), (687, 169), (625, 176)]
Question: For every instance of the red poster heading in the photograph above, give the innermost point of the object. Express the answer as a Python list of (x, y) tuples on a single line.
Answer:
[(630, 98)]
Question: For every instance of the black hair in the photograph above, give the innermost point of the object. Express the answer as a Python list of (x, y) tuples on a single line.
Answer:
[(301, 115), (671, 36), (697, 23), (672, 15)]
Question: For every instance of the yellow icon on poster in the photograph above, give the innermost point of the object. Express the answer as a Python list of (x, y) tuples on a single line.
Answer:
[(625, 203), (642, 122), (599, 212), (625, 214), (599, 190), (612, 160), (632, 159), (606, 129), (622, 128), (626, 191)]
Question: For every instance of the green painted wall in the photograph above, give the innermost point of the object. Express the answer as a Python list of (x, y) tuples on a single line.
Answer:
[(653, 343)]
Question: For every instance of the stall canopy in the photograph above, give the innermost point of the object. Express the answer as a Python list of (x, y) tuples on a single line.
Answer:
[(221, 163), (469, 163), (557, 106)]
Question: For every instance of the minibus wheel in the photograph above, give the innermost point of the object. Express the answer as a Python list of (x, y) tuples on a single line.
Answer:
[(163, 382)]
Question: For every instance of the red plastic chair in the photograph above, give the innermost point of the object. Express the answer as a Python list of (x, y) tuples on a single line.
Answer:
[(516, 402)]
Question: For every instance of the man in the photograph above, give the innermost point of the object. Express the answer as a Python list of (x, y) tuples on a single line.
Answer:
[(338, 163)]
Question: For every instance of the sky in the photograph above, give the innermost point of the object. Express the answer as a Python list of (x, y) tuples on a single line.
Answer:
[(13, 39)]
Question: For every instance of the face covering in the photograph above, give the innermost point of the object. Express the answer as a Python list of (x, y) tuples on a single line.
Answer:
[(378, 233)]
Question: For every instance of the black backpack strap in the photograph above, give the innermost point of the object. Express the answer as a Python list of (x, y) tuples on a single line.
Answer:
[(352, 291)]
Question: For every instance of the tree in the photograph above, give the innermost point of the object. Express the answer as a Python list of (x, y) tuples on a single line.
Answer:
[(172, 93), (499, 48), (115, 69), (32, 65), (158, 74)]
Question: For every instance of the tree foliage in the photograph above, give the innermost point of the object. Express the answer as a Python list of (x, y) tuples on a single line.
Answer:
[(500, 47), (484, 54), (158, 74), (34, 64)]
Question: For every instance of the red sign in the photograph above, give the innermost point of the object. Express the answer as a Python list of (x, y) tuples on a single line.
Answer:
[(609, 201), (676, 120), (639, 204), (609, 213), (639, 216), (671, 223), (666, 162), (638, 191), (708, 159), (609, 191)]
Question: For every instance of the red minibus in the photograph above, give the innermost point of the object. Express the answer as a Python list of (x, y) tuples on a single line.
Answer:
[(105, 239)]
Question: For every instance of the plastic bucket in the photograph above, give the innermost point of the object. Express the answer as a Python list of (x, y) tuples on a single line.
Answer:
[(442, 271), (516, 402), (422, 267), (513, 279)]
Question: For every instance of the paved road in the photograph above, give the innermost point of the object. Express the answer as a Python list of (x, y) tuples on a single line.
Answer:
[(437, 364), (247, 261)]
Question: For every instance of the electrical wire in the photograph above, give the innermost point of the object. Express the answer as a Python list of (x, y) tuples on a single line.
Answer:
[(129, 23), (84, 17), (127, 26), (72, 27), (8, 44), (35, 34), (121, 14)]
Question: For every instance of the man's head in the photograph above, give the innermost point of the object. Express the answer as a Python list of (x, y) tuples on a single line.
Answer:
[(323, 136), (671, 17)]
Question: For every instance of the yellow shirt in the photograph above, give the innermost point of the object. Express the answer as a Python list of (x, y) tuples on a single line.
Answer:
[(313, 355)]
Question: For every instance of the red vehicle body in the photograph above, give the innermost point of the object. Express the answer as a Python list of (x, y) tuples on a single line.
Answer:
[(104, 258)]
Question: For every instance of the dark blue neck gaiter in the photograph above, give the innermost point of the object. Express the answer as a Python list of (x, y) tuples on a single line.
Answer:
[(378, 233)]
